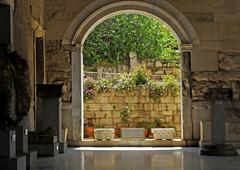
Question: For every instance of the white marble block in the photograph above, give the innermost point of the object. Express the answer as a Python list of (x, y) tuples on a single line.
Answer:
[(137, 133), (163, 133), (104, 133)]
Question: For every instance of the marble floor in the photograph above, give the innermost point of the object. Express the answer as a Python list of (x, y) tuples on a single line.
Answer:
[(175, 158)]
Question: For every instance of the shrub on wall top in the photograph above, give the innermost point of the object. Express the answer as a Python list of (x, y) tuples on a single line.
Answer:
[(140, 77)]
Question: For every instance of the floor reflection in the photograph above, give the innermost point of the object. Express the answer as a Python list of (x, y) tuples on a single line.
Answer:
[(144, 159)]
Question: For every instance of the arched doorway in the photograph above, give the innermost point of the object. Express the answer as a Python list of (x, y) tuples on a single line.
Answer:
[(97, 12)]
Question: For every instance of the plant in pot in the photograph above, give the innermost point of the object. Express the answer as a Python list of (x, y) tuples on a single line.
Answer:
[(89, 129), (147, 126), (125, 115), (143, 125), (125, 120)]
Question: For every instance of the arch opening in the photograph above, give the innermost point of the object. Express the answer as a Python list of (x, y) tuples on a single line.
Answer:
[(82, 26)]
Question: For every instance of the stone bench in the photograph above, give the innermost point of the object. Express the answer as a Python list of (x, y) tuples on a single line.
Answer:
[(132, 133), (163, 133), (104, 133)]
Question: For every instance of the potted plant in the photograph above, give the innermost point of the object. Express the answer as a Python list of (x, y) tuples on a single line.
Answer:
[(89, 129), (147, 126), (125, 115)]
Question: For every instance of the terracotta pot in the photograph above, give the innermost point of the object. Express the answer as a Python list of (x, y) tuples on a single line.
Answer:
[(90, 132), (150, 134), (117, 132), (146, 133)]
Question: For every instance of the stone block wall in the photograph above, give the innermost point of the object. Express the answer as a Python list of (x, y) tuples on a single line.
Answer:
[(158, 68), (58, 71), (216, 24), (105, 109), (227, 76)]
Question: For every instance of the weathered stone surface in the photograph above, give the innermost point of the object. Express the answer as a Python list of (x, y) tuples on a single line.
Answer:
[(229, 61), (163, 133), (137, 133), (104, 133)]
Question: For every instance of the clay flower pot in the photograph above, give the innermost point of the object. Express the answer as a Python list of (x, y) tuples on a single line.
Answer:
[(89, 132), (146, 133)]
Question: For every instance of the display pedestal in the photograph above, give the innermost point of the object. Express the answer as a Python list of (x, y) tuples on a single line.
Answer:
[(22, 147), (49, 115), (63, 147), (218, 147), (8, 158), (219, 150), (45, 145)]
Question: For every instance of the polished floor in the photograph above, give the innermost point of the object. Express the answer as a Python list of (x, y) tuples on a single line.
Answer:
[(137, 159)]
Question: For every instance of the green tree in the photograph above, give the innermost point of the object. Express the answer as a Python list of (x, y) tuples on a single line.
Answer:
[(113, 40)]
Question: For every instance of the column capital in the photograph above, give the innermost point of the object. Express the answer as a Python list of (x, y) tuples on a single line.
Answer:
[(186, 47)]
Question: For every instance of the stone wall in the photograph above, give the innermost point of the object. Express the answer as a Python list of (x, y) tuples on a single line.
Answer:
[(216, 24), (105, 109), (227, 76), (58, 71), (157, 68), (28, 17)]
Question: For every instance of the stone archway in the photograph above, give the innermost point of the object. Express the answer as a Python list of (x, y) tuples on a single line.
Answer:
[(97, 12)]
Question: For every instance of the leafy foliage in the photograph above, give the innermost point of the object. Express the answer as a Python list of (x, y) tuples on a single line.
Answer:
[(169, 85), (123, 82), (141, 75), (113, 40), (124, 114), (103, 85)]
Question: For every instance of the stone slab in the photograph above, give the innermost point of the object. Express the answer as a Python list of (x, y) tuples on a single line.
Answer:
[(21, 139), (17, 163), (49, 115), (63, 147), (132, 133), (163, 133), (7, 143), (31, 159), (42, 139), (104, 133), (45, 149), (218, 123), (219, 150)]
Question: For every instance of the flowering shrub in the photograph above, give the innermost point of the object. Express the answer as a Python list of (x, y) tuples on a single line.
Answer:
[(172, 85), (141, 75), (156, 89), (89, 88), (123, 82), (169, 85), (103, 85)]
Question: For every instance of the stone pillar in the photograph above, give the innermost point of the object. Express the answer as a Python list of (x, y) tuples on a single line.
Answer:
[(8, 143), (49, 108), (77, 96), (218, 98), (8, 158), (187, 130)]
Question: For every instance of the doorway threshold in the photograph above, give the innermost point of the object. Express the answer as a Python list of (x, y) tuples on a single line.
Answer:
[(129, 143)]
